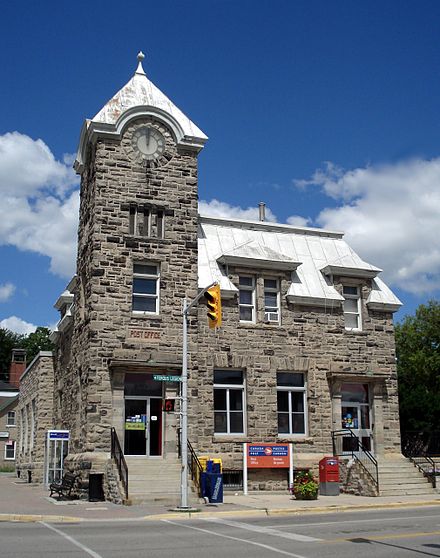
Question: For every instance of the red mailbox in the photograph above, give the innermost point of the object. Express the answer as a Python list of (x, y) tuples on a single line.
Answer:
[(329, 476)]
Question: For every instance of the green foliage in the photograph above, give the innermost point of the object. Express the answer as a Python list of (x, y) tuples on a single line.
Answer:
[(33, 343), (36, 342), (305, 486), (418, 367), (8, 341), (7, 468)]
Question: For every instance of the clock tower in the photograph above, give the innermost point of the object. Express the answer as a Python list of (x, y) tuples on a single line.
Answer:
[(137, 260)]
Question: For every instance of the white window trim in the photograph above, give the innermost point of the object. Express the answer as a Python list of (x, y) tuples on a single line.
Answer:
[(303, 390), (11, 425), (14, 444), (356, 297), (252, 305), (227, 387), (142, 295), (278, 306)]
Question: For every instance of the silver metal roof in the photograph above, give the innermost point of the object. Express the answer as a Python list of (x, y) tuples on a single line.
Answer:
[(312, 256), (139, 97)]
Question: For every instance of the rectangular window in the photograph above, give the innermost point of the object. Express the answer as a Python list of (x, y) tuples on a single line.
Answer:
[(146, 288), (10, 450), (291, 403), (160, 224), (229, 414), (352, 309), (140, 221), (246, 298), (271, 301), (32, 423), (10, 420)]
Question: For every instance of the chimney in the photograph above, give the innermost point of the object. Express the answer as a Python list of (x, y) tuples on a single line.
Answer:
[(18, 366), (262, 211)]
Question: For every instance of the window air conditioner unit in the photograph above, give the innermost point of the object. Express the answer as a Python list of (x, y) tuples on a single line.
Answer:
[(271, 317)]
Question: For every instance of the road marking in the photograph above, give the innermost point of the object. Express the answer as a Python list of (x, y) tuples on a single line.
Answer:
[(337, 522), (72, 540), (372, 538), (264, 530), (253, 543)]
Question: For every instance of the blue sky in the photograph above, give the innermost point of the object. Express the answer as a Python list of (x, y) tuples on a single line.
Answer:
[(327, 111)]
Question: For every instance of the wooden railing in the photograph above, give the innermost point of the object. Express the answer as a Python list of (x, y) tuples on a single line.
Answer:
[(358, 452), (121, 464)]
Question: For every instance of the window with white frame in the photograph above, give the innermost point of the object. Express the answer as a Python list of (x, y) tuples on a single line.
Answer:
[(271, 301), (292, 403), (229, 402), (10, 419), (246, 298), (145, 288), (160, 224), (10, 450), (33, 407), (140, 221), (352, 308)]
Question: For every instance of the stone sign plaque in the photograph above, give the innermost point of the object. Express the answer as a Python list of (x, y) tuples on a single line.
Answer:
[(144, 335)]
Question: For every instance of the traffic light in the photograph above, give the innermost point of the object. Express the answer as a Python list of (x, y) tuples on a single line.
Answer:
[(168, 405), (214, 304)]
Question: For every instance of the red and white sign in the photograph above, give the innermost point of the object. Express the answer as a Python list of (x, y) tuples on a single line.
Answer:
[(268, 456)]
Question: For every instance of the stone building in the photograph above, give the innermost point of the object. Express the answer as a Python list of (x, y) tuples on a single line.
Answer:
[(35, 416), (306, 346), (9, 394)]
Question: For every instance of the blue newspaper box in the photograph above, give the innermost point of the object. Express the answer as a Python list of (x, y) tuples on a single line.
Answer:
[(204, 484), (215, 488)]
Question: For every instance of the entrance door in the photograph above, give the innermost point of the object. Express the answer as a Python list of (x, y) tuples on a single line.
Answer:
[(356, 415), (143, 426)]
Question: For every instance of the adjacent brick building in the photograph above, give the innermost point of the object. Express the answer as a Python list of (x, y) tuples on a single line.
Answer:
[(306, 345)]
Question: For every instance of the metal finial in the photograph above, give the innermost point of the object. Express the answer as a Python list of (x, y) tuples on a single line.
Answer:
[(140, 57)]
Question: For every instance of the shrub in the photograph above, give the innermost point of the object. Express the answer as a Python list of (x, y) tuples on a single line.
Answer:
[(305, 486)]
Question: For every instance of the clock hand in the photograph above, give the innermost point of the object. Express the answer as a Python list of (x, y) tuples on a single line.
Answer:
[(148, 137)]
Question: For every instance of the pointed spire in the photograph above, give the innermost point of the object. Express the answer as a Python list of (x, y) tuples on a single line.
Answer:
[(140, 69)]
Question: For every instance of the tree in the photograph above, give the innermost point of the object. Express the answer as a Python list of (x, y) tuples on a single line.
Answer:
[(32, 343), (418, 367), (8, 341), (36, 342)]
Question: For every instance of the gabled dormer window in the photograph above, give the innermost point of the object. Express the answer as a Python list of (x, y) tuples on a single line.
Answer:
[(271, 301), (246, 285), (352, 308)]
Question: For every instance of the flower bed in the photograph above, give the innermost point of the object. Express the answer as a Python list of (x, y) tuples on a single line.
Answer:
[(305, 486)]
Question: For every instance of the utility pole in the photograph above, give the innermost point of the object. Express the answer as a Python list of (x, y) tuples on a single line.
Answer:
[(184, 401)]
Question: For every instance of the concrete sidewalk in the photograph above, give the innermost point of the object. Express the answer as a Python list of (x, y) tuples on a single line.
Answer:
[(20, 501)]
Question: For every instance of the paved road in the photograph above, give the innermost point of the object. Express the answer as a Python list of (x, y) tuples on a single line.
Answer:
[(395, 533)]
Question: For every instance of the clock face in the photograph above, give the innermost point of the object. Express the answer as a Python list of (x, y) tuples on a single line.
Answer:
[(148, 143)]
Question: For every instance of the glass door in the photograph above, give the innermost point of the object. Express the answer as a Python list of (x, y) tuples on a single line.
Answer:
[(355, 415), (143, 426)]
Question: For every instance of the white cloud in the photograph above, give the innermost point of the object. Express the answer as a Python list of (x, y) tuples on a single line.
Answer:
[(40, 201), (391, 217), (216, 208), (17, 325), (298, 221), (6, 291)]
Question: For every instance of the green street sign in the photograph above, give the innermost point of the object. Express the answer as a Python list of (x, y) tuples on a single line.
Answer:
[(159, 378)]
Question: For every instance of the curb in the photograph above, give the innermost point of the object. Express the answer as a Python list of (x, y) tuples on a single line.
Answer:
[(268, 512), (245, 512), (29, 518)]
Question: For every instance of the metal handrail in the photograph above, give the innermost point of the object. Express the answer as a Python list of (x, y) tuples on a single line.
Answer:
[(194, 464), (118, 456), (359, 453), (415, 449)]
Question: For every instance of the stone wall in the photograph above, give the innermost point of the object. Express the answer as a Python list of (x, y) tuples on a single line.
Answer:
[(310, 340), (102, 313), (36, 397)]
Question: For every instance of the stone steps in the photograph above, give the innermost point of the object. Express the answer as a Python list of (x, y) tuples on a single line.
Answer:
[(400, 477), (154, 480)]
